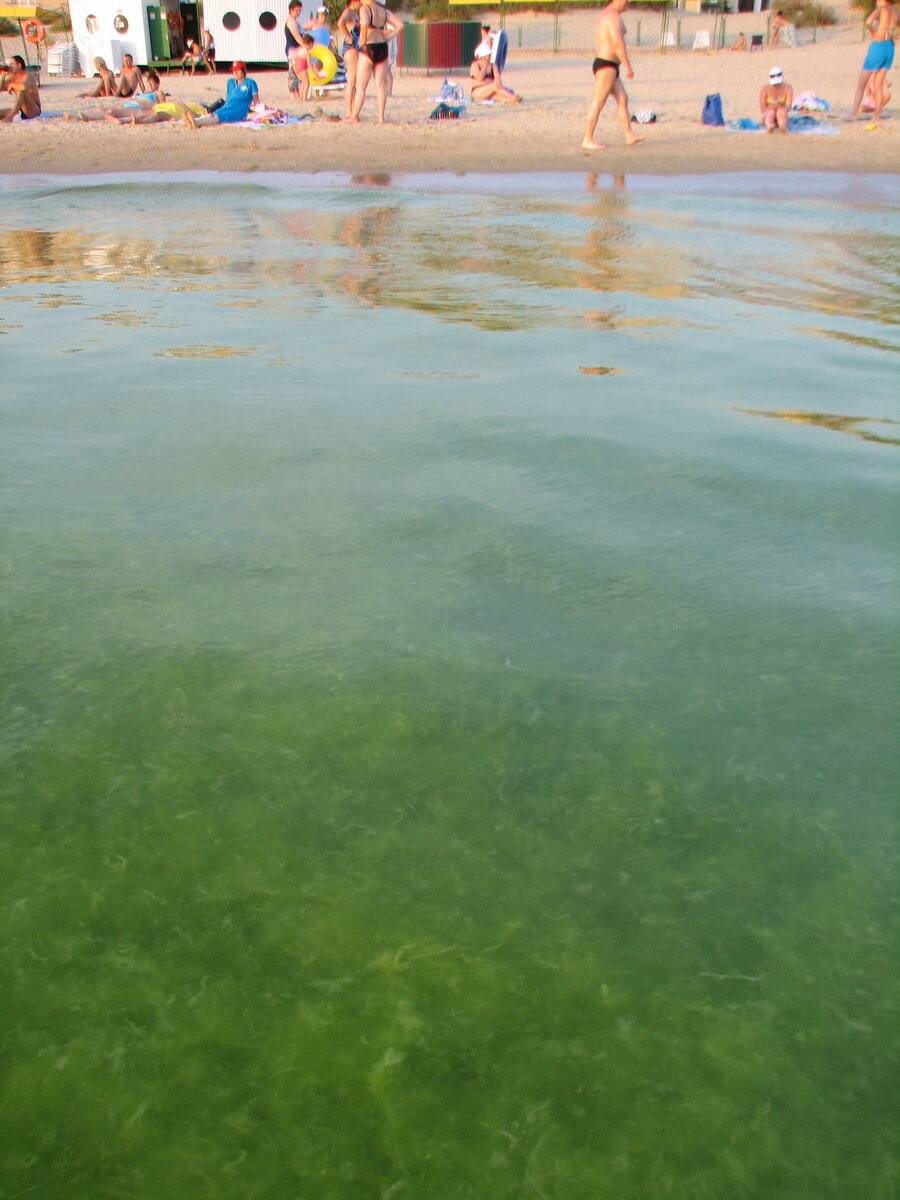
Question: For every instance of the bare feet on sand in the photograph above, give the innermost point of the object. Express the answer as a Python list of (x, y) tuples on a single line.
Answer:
[(589, 144)]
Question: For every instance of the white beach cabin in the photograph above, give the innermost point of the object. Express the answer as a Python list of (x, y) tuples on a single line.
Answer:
[(252, 31)]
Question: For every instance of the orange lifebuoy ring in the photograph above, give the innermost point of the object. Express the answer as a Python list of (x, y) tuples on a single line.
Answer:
[(34, 32)]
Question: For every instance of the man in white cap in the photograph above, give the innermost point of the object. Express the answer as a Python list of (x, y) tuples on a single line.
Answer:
[(319, 27), (775, 100)]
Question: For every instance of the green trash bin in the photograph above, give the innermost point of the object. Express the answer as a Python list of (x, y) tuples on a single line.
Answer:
[(414, 47)]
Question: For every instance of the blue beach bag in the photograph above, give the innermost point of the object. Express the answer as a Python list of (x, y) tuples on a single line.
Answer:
[(712, 110)]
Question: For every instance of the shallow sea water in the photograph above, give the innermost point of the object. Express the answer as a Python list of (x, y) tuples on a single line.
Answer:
[(450, 687)]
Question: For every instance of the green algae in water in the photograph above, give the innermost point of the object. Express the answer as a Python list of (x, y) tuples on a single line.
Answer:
[(408, 790)]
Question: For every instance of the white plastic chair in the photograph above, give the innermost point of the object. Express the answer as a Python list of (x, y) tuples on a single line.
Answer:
[(701, 40)]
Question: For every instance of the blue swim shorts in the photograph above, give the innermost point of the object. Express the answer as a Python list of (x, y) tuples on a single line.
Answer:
[(880, 57)]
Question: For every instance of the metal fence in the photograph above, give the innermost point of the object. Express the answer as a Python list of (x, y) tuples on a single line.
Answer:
[(663, 30)]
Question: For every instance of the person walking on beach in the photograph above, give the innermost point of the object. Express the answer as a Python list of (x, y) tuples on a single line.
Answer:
[(23, 86), (611, 55), (882, 23)]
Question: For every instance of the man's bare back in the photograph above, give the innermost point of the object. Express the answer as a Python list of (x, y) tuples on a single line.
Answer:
[(884, 28), (22, 85)]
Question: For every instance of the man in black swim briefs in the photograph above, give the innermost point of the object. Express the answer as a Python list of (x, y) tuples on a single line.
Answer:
[(610, 57)]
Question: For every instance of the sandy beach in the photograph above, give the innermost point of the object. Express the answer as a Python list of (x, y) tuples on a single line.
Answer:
[(541, 134)]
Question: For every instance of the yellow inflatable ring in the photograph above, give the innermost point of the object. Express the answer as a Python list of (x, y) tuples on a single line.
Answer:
[(34, 32), (327, 65)]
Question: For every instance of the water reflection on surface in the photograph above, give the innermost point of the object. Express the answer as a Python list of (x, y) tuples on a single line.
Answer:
[(851, 425), (397, 250), (448, 738)]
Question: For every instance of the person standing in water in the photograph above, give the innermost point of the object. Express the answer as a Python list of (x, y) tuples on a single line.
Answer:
[(610, 57), (882, 24)]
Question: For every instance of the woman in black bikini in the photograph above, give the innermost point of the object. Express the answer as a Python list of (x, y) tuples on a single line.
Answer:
[(376, 28)]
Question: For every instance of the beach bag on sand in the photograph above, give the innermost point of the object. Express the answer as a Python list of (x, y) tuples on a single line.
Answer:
[(712, 110), (446, 112), (450, 94)]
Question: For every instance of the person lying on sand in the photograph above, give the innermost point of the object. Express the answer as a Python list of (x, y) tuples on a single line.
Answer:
[(775, 100), (610, 57), (186, 111), (22, 85), (143, 102)]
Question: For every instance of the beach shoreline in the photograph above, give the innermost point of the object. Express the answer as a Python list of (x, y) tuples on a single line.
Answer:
[(541, 135)]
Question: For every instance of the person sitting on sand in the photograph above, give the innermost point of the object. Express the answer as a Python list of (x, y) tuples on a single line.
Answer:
[(131, 78), (481, 63), (775, 100), (194, 58), (106, 82), (490, 85), (239, 95), (22, 85), (610, 57), (870, 103), (493, 88), (740, 43)]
